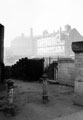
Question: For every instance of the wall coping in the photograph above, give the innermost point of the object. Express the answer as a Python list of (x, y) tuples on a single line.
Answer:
[(77, 47), (66, 61)]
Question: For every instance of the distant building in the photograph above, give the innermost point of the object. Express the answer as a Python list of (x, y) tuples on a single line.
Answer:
[(50, 45), (57, 44), (22, 46)]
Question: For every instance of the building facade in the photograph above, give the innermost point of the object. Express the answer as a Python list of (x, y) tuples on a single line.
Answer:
[(57, 44), (49, 46)]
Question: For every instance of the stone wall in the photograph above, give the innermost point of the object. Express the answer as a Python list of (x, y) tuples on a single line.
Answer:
[(66, 72), (77, 47)]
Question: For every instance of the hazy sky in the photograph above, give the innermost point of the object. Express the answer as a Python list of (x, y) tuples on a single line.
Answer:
[(19, 16)]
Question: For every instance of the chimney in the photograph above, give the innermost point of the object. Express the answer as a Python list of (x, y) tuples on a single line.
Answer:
[(45, 33), (67, 28), (60, 29), (60, 32), (31, 32)]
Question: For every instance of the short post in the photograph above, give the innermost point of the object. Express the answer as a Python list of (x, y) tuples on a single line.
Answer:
[(44, 92), (10, 90)]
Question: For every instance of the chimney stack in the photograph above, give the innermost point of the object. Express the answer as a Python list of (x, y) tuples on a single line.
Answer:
[(31, 32)]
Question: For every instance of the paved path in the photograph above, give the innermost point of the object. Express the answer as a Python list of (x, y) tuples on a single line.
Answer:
[(29, 106), (75, 116)]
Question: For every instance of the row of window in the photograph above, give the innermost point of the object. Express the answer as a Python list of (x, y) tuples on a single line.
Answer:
[(50, 54), (50, 50), (49, 42)]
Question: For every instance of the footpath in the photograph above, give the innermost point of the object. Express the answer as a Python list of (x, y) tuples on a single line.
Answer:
[(29, 106), (75, 116)]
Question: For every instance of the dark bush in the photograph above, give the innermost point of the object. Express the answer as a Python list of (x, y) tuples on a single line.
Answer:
[(7, 72), (27, 69)]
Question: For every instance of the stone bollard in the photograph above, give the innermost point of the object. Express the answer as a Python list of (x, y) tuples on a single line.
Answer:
[(77, 47), (44, 93), (10, 90)]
